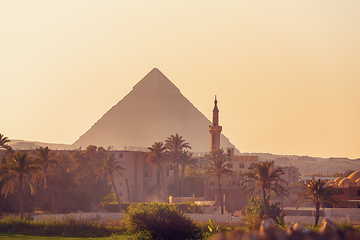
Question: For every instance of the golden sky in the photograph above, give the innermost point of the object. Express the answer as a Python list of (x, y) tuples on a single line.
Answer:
[(286, 73)]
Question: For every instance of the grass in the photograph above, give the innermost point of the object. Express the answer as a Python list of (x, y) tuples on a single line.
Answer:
[(29, 237)]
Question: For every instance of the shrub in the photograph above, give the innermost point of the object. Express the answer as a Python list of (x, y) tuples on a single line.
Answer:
[(159, 221), (255, 211)]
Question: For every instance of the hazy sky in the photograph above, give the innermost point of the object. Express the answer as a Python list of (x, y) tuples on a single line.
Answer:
[(286, 73)]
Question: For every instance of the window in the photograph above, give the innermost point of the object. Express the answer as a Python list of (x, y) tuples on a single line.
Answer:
[(229, 152), (241, 166), (121, 155), (252, 165), (358, 192)]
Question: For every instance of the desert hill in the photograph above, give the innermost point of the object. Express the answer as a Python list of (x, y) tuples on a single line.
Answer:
[(312, 165)]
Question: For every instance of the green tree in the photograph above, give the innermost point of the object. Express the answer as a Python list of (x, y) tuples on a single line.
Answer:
[(111, 169), (262, 178), (17, 169), (319, 194), (83, 165), (46, 168), (4, 142), (185, 160), (218, 168), (158, 154), (176, 144)]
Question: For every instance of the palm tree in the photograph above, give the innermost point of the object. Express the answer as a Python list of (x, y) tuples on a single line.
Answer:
[(47, 167), (17, 170), (3, 142), (158, 154), (264, 177), (218, 168), (319, 194), (176, 144), (111, 169), (185, 159)]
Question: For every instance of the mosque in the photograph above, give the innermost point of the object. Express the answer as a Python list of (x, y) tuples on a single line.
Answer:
[(233, 193), (348, 190)]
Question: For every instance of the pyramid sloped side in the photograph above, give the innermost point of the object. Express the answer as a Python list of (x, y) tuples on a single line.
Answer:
[(143, 117)]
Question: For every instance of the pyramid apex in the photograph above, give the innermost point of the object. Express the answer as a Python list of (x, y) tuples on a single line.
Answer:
[(155, 80)]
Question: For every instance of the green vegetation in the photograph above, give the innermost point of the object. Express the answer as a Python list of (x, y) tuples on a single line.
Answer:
[(218, 168), (255, 213), (319, 194), (176, 145), (68, 228), (16, 173), (158, 154), (29, 237), (262, 178), (160, 221), (64, 183), (111, 169), (4, 142)]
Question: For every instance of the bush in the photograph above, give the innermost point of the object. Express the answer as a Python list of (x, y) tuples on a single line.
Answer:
[(159, 221), (69, 228), (255, 211)]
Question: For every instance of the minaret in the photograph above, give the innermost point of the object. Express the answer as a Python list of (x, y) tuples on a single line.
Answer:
[(215, 129)]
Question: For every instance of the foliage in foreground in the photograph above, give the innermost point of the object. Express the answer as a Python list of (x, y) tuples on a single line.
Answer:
[(67, 228), (255, 213), (160, 221)]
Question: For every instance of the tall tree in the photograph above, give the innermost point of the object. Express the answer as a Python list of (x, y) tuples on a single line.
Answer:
[(17, 169), (176, 144), (111, 169), (158, 154), (185, 160), (218, 168), (319, 194), (83, 165), (4, 142), (264, 177), (46, 163)]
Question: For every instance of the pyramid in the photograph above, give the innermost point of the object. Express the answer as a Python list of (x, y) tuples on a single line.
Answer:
[(151, 112)]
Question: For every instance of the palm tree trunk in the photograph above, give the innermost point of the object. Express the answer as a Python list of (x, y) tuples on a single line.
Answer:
[(265, 203), (220, 195), (177, 179), (317, 213), (164, 184), (182, 180), (117, 195), (52, 198), (21, 203)]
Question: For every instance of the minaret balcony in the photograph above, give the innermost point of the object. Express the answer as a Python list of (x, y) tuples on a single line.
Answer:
[(215, 128)]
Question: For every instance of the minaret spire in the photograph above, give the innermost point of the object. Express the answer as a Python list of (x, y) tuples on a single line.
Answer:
[(215, 129)]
